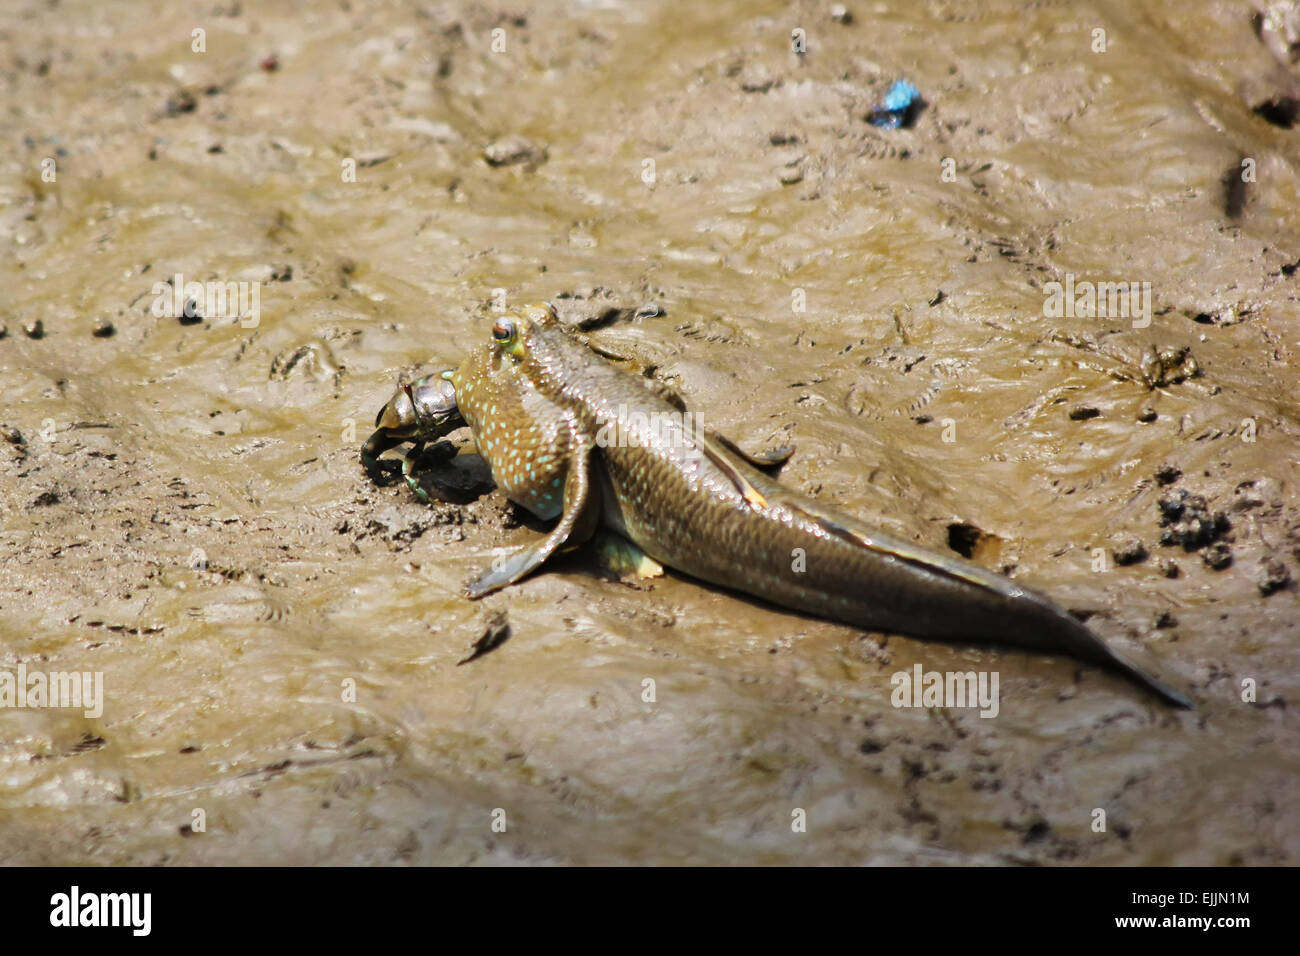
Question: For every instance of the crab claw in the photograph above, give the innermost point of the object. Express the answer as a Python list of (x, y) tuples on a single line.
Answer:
[(423, 411)]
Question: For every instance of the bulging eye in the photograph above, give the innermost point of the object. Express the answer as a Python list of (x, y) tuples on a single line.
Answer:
[(504, 330)]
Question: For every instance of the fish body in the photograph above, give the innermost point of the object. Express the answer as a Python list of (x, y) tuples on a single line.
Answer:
[(569, 434)]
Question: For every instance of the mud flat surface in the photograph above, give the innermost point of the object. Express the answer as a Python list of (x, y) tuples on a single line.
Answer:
[(282, 639)]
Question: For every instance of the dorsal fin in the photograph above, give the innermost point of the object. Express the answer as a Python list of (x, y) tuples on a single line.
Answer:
[(761, 493)]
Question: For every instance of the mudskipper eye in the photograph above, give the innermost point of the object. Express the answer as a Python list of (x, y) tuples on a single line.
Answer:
[(503, 331)]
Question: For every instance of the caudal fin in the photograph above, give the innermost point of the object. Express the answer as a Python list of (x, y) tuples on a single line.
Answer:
[(1145, 674)]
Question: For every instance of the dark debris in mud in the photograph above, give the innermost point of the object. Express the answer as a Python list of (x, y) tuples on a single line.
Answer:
[(515, 150), (1189, 522), (1167, 474), (396, 532)]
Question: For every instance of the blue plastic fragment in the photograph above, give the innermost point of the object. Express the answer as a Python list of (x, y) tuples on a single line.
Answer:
[(900, 96), (897, 107)]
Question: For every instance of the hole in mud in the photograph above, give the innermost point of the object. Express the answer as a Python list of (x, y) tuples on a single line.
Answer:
[(963, 538), (1283, 111)]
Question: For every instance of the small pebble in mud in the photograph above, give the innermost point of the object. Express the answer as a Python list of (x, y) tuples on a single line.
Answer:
[(34, 330), (1172, 507), (1170, 569), (1218, 555), (1129, 551), (515, 150), (1273, 577), (1082, 413), (1037, 830), (192, 314), (14, 437), (789, 177), (1147, 415), (1168, 366), (1168, 474), (103, 329), (1165, 620), (755, 79), (1247, 496), (1235, 194), (182, 101), (841, 14), (495, 633)]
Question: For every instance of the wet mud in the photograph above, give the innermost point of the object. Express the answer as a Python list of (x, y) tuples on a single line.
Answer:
[(290, 672)]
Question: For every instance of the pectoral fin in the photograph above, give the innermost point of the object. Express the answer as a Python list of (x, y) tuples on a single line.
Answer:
[(624, 558), (577, 522)]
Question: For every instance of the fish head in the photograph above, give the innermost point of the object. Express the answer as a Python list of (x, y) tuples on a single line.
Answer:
[(498, 371), (518, 429)]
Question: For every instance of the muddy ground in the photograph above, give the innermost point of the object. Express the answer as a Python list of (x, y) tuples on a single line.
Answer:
[(282, 640)]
